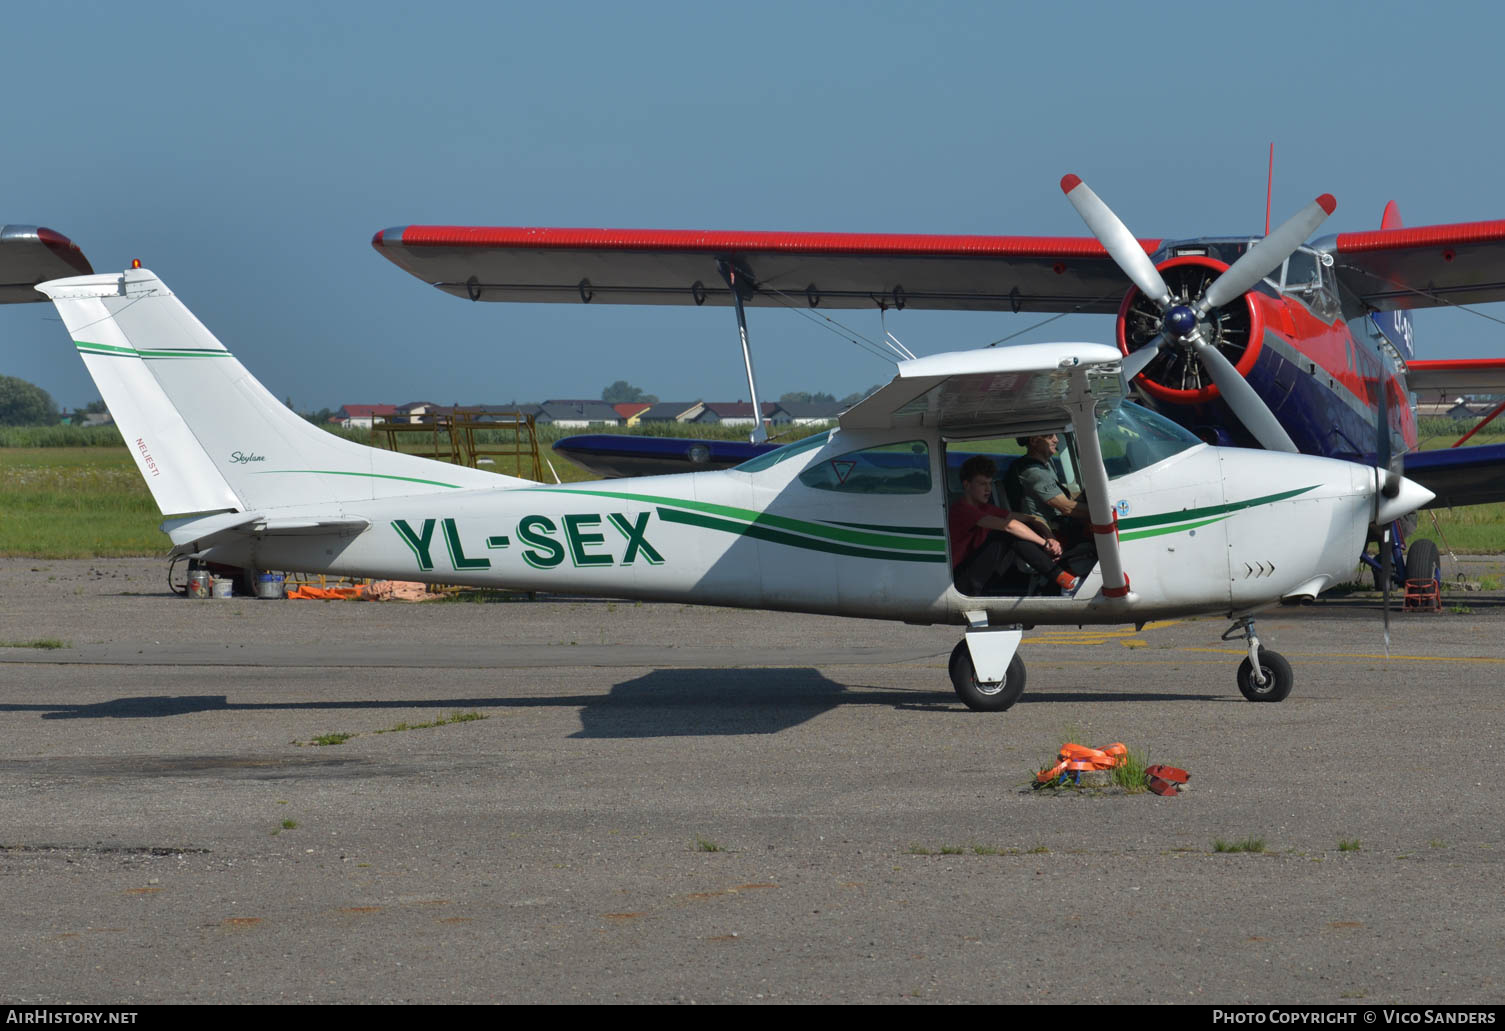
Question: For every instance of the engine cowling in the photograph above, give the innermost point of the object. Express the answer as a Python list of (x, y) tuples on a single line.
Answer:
[(1176, 376)]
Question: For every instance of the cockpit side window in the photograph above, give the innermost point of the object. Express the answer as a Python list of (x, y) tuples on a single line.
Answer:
[(902, 468)]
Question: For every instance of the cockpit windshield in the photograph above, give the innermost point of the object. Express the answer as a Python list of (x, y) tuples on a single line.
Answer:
[(769, 459), (1134, 438)]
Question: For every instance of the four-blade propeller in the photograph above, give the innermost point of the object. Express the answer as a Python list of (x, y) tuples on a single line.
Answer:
[(1182, 324)]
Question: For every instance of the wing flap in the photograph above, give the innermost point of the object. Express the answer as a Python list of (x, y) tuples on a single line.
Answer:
[(828, 270)]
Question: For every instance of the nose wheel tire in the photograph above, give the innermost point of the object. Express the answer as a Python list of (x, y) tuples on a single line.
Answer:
[(982, 696), (1423, 561), (1277, 674)]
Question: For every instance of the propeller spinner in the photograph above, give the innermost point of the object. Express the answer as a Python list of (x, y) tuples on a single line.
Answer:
[(1181, 323)]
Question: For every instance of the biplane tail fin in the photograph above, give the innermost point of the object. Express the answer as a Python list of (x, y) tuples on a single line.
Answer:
[(205, 434)]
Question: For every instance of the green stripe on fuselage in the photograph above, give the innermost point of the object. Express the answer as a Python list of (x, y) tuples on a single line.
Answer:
[(768, 533), (1187, 514), (859, 538)]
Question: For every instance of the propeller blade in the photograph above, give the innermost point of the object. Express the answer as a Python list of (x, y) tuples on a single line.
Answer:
[(1120, 244), (1135, 361), (1387, 460), (1243, 399), (1386, 572), (1267, 254)]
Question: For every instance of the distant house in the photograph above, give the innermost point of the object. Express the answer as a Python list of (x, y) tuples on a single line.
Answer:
[(360, 417), (579, 414), (735, 413), (419, 411), (665, 411), (631, 410)]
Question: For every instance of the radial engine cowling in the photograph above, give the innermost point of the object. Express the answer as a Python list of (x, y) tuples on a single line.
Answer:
[(1176, 376)]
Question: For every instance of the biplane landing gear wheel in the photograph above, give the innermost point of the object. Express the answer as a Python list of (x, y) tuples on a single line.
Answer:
[(1277, 673), (981, 696)]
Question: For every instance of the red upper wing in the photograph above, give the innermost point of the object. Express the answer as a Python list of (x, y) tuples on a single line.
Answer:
[(1455, 376), (34, 254), (1424, 267), (829, 270)]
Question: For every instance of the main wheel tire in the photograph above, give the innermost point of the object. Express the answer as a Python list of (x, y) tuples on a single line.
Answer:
[(1278, 678), (978, 695), (1423, 561)]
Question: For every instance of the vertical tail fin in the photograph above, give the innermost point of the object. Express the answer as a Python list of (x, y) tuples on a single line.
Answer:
[(205, 434)]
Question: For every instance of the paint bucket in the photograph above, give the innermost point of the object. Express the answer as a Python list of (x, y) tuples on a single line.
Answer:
[(224, 588), (199, 582), (270, 585)]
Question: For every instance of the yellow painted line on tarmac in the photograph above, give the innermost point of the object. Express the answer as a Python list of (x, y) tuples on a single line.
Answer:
[(1093, 635), (1487, 660)]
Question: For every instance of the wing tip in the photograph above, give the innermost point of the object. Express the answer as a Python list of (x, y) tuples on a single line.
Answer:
[(1070, 182), (1328, 203)]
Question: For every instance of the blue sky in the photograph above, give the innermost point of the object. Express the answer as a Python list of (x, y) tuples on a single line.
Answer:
[(248, 153)]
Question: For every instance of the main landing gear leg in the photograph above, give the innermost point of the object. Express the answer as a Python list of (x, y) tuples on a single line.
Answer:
[(1264, 676), (986, 670)]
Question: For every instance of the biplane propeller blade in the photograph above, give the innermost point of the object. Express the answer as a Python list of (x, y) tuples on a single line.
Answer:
[(1183, 322)]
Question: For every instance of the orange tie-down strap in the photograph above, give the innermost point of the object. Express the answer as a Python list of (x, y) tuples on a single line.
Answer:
[(326, 593), (1076, 758)]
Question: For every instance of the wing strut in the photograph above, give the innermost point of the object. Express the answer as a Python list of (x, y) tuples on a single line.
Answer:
[(1095, 485), (739, 280)]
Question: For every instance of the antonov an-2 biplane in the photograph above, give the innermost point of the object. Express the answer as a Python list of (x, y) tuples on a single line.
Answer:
[(849, 522), (1307, 347)]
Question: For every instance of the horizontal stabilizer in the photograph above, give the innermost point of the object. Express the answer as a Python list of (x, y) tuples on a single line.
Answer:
[(197, 533)]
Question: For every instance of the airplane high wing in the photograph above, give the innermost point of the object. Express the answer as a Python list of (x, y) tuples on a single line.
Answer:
[(34, 254), (827, 270), (1387, 269), (1422, 267)]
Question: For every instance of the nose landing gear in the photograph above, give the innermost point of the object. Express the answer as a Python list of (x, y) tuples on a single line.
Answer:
[(1264, 676)]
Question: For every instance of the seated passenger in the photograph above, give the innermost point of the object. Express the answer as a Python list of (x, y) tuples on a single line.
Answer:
[(985, 537), (1033, 488)]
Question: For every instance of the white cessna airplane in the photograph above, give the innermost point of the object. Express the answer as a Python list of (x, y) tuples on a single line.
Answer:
[(849, 522)]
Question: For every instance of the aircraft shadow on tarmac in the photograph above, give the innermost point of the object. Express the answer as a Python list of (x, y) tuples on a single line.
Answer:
[(661, 703)]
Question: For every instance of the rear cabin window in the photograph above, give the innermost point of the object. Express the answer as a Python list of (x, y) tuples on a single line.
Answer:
[(889, 469)]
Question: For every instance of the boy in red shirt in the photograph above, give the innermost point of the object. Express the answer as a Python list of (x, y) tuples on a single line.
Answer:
[(984, 536)]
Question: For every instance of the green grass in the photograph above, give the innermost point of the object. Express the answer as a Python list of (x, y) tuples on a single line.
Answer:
[(707, 845), (289, 825), (1348, 844), (1129, 774), (76, 503), (1250, 844), (454, 717), (60, 436), (47, 643), (332, 739)]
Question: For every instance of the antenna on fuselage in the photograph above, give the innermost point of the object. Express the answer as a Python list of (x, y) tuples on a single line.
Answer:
[(1269, 187)]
